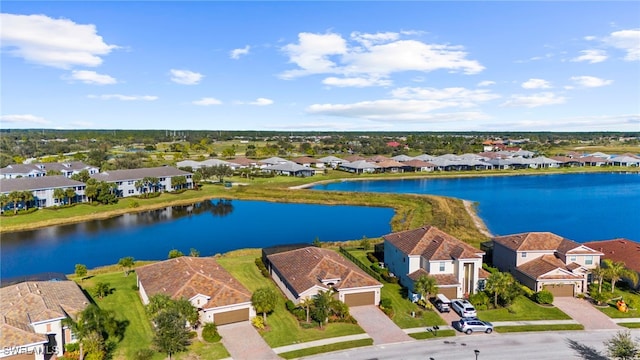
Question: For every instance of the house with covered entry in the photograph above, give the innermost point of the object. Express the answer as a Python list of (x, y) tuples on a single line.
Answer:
[(126, 180), (302, 272), (429, 251), (543, 260), (41, 169), (43, 189), (218, 296), (31, 318)]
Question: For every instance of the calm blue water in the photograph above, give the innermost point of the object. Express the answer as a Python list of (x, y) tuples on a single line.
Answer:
[(581, 207), (210, 227)]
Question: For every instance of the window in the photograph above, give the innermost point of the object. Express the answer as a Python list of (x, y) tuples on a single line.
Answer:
[(130, 182), (131, 191), (523, 254), (572, 258), (588, 260), (442, 266)]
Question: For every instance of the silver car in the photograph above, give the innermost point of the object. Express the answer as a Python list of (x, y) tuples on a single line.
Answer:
[(463, 308), (468, 326)]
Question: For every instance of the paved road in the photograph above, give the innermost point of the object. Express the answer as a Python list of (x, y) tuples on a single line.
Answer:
[(521, 346)]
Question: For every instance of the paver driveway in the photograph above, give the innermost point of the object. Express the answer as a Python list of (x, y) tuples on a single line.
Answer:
[(584, 313), (378, 325), (243, 342)]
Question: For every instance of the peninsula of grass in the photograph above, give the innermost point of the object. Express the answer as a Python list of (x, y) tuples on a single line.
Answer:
[(525, 328), (633, 325), (326, 348), (523, 309), (431, 335)]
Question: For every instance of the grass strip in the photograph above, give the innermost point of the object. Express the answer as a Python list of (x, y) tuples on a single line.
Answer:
[(326, 348), (431, 335), (525, 328), (523, 308), (634, 325)]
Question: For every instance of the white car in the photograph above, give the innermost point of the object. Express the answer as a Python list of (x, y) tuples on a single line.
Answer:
[(464, 308)]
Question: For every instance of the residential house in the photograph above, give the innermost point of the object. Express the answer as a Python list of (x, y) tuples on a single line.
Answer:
[(301, 273), (624, 161), (126, 179), (543, 260), (359, 167), (418, 165), (331, 161), (31, 315), (290, 169), (206, 163), (619, 250), (40, 169), (217, 295), (391, 166), (14, 171), (43, 189), (308, 161), (456, 265)]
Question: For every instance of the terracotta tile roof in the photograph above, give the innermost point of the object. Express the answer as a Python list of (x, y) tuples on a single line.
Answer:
[(530, 241), (483, 274), (543, 265), (305, 268), (244, 161), (441, 279), (416, 274), (390, 163), (34, 301), (418, 163), (352, 158), (186, 276), (305, 160), (432, 244), (623, 250), (378, 158)]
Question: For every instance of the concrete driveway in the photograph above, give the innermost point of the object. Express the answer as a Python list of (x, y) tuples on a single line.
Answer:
[(378, 325), (243, 342), (583, 312)]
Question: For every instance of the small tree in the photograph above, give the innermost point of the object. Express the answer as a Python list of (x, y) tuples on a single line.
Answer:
[(194, 253), (307, 303), (102, 289), (171, 334), (616, 271), (322, 306), (498, 284), (69, 195), (365, 243), (264, 301), (621, 346), (425, 286), (598, 273), (81, 271), (27, 197), (175, 253), (126, 263)]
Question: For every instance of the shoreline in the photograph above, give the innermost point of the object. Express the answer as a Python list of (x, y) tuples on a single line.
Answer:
[(480, 224)]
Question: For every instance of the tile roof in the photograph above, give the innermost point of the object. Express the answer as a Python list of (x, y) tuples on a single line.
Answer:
[(378, 158), (483, 274), (623, 250), (389, 163), (305, 268), (418, 163), (544, 265), (188, 276), (352, 158), (441, 279), (432, 244), (532, 241), (137, 174), (34, 301), (37, 183), (306, 160)]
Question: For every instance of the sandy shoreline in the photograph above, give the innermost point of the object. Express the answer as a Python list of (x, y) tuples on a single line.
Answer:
[(482, 227)]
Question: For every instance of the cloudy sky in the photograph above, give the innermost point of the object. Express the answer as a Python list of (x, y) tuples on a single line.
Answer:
[(337, 66)]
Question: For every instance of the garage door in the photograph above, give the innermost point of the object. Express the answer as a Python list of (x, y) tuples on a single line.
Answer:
[(450, 292), (560, 290), (359, 299), (229, 317)]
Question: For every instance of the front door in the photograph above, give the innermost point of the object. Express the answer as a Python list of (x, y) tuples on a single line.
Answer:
[(467, 285)]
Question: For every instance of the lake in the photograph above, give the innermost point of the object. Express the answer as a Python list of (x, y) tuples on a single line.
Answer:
[(211, 227), (581, 207)]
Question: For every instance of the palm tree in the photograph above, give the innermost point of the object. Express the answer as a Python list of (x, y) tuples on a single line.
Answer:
[(178, 182), (618, 270), (4, 200), (15, 197), (322, 306), (599, 272), (70, 194), (425, 286), (139, 185), (58, 194), (91, 191), (306, 303), (498, 283), (27, 197)]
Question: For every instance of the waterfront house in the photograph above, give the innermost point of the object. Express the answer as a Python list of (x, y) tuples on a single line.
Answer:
[(302, 272), (217, 295), (290, 169), (206, 163), (418, 165), (331, 161), (126, 179), (543, 260), (31, 315), (456, 265), (619, 250), (391, 166), (308, 161), (624, 160), (359, 167), (43, 188)]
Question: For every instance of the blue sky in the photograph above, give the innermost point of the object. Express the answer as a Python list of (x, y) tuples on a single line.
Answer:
[(326, 66)]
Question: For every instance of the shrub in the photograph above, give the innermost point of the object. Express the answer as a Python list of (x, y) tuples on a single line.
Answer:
[(490, 269), (144, 354), (289, 305), (210, 333), (72, 347), (372, 257), (300, 314), (135, 287), (134, 204), (528, 292), (544, 297), (388, 311), (386, 303), (479, 299), (601, 297), (258, 322), (262, 267)]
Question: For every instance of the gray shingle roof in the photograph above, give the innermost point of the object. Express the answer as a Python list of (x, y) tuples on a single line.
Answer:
[(37, 183), (137, 174)]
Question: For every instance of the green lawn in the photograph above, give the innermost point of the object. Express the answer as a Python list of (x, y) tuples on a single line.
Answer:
[(431, 335), (523, 309), (631, 298), (326, 348), (630, 325), (204, 351), (524, 328), (403, 309), (283, 328)]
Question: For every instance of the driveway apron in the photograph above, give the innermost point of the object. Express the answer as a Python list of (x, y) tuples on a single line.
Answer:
[(243, 342), (584, 313), (378, 325)]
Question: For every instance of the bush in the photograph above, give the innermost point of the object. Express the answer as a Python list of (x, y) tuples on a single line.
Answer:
[(134, 204), (388, 311), (479, 299), (144, 354), (372, 257), (544, 297), (262, 267), (210, 333), (300, 314), (386, 303), (490, 269), (135, 287), (289, 305), (72, 347), (258, 322), (528, 292)]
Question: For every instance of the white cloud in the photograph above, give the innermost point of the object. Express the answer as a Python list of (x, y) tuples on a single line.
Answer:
[(356, 82), (536, 84), (589, 38), (535, 100), (59, 43), (207, 101), (23, 118), (92, 77), (236, 53), (124, 97), (486, 83), (261, 102), (590, 81), (185, 77), (592, 56), (371, 56), (627, 40)]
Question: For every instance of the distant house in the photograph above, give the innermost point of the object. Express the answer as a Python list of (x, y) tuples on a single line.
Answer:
[(456, 265), (14, 171), (619, 250), (359, 167), (290, 169), (206, 163), (331, 161), (418, 165), (391, 166), (217, 295), (300, 273), (308, 161), (543, 260), (40, 169), (43, 188), (624, 161), (31, 315), (126, 179)]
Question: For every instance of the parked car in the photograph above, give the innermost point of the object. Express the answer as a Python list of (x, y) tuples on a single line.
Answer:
[(463, 308), (442, 303), (469, 325)]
